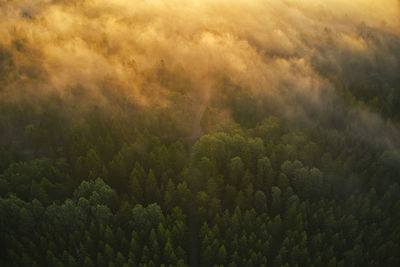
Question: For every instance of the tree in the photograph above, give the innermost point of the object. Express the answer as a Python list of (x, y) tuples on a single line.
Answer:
[(222, 255), (135, 189), (169, 196), (183, 195), (151, 188), (94, 164), (236, 171), (276, 199), (120, 260), (97, 192), (260, 201), (88, 262), (264, 174), (169, 254)]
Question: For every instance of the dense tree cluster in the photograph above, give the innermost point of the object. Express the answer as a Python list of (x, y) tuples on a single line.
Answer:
[(103, 191)]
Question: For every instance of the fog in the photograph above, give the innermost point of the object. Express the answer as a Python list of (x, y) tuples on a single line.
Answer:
[(276, 49)]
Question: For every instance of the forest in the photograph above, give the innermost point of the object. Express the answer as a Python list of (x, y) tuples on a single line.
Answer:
[(199, 133)]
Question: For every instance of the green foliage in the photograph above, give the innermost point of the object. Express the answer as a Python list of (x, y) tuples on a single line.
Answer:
[(108, 191)]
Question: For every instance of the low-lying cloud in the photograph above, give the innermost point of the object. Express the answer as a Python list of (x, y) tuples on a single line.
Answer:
[(276, 48)]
